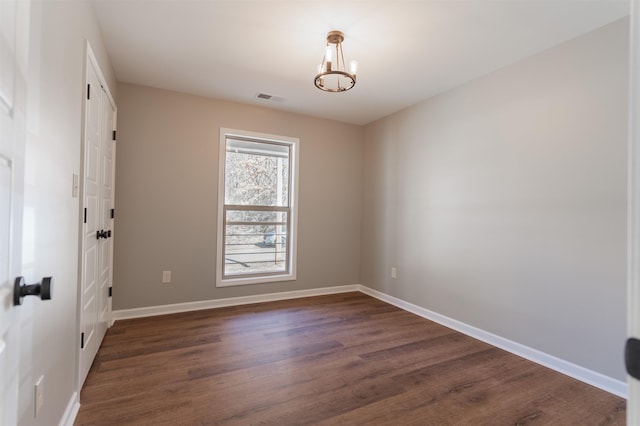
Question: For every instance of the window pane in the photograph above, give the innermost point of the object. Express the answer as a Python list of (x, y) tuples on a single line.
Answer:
[(256, 242), (256, 173)]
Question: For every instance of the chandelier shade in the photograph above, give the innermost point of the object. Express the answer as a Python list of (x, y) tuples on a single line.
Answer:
[(332, 73)]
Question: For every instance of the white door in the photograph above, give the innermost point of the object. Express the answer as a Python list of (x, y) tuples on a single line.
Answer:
[(105, 221), (97, 226), (14, 31), (91, 219)]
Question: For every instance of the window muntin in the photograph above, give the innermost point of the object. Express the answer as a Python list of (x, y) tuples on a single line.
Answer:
[(256, 238)]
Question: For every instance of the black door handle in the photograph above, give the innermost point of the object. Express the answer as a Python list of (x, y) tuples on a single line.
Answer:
[(632, 357), (42, 289), (103, 234)]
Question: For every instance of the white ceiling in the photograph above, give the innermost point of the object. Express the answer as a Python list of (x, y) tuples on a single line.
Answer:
[(407, 51)]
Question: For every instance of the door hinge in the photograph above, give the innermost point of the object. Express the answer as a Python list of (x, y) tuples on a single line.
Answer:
[(114, 135), (85, 215), (113, 213), (81, 340), (110, 291), (88, 91)]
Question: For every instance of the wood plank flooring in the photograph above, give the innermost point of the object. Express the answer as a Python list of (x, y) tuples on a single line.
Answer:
[(345, 359)]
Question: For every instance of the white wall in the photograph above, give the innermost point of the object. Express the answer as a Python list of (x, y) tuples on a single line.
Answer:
[(166, 197), (503, 202), (49, 338)]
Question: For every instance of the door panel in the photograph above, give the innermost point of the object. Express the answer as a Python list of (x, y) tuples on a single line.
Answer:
[(106, 200)]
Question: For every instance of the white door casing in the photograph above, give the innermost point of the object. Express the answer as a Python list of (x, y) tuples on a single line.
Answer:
[(14, 41), (96, 247), (633, 294)]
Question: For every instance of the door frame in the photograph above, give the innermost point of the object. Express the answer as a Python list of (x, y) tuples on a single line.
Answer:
[(89, 60), (633, 230)]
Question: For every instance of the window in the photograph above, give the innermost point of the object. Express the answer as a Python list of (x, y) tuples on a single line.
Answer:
[(257, 208)]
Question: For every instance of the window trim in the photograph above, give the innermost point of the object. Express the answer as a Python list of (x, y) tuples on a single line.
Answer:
[(292, 242)]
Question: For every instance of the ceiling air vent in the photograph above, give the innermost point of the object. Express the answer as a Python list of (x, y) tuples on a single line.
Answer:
[(266, 96)]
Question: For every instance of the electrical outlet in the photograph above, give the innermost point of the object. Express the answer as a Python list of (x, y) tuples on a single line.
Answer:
[(38, 396), (166, 277), (394, 272)]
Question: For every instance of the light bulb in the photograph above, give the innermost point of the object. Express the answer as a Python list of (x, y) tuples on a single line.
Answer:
[(353, 66), (329, 54)]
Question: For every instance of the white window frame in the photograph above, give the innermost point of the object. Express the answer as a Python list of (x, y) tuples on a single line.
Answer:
[(292, 242)]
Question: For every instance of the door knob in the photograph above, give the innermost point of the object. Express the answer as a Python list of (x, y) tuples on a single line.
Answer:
[(103, 234), (42, 289), (632, 357)]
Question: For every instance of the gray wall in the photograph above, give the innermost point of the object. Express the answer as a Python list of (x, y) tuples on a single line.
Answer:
[(503, 202), (166, 197), (49, 337)]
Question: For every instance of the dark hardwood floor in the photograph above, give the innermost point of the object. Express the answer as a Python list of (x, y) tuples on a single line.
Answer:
[(339, 359)]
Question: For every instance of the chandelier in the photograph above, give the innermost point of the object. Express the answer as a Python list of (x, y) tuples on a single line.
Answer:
[(332, 73)]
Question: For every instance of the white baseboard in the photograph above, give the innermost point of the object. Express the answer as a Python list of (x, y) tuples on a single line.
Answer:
[(71, 411), (585, 375), (231, 301)]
